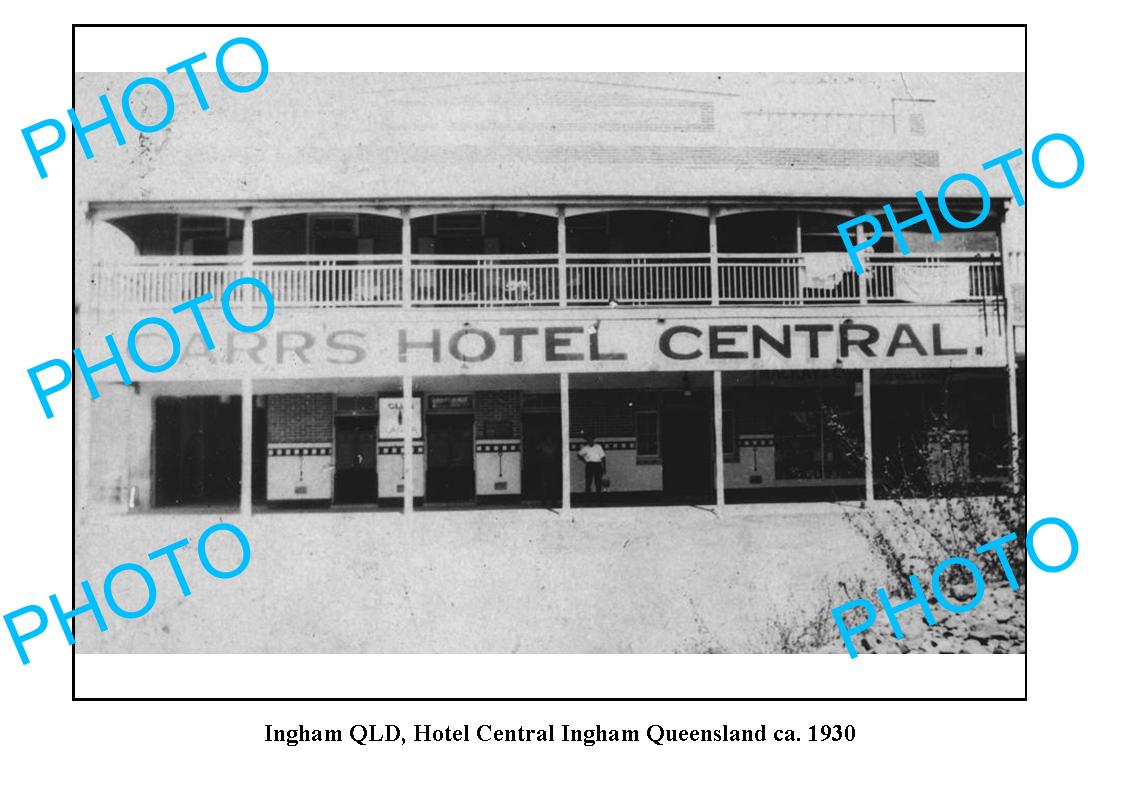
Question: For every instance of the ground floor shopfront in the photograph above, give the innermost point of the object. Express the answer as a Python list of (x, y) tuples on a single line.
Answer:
[(778, 435)]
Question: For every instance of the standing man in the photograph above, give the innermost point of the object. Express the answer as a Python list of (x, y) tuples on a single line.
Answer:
[(595, 460)]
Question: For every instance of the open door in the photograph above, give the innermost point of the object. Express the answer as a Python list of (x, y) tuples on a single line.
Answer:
[(356, 462), (451, 473), (687, 444), (542, 473)]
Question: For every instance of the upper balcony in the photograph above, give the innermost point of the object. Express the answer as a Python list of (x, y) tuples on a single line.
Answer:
[(507, 258)]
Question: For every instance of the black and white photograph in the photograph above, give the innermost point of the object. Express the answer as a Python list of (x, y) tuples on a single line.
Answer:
[(577, 362)]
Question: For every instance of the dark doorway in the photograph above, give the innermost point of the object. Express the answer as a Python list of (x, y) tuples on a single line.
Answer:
[(260, 454), (542, 473), (198, 450), (356, 463), (451, 474), (687, 431)]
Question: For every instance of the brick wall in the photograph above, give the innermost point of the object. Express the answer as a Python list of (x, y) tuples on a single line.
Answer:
[(301, 417), (498, 406)]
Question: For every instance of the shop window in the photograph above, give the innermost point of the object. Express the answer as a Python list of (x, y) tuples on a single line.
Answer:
[(729, 435), (647, 435), (799, 445), (843, 444)]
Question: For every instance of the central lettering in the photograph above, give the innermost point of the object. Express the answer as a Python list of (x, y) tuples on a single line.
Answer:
[(472, 344)]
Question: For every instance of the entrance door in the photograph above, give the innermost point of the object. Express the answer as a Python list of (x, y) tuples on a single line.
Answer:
[(542, 474), (686, 442), (451, 474), (356, 463)]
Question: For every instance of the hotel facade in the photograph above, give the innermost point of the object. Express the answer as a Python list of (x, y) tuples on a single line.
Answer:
[(473, 276)]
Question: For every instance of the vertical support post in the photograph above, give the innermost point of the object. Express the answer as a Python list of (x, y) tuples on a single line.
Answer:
[(247, 245), (719, 447), (567, 485), (407, 444), (863, 279), (867, 432), (563, 276), (83, 414), (246, 500), (715, 292), (796, 279), (246, 504), (407, 257), (1012, 379), (1011, 362)]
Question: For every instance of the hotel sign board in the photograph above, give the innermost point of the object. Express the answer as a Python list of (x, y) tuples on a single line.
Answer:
[(300, 344)]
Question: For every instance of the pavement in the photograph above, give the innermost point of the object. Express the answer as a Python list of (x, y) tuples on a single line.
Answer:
[(653, 579)]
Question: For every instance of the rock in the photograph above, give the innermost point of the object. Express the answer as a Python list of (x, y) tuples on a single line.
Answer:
[(986, 631), (962, 592), (946, 646)]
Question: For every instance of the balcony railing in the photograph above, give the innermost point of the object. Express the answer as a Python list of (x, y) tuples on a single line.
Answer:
[(346, 281), (502, 280), (638, 278), (484, 281)]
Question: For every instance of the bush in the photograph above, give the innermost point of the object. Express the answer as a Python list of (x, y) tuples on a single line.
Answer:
[(932, 510)]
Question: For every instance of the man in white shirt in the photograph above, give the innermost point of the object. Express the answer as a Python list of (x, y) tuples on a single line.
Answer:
[(595, 460)]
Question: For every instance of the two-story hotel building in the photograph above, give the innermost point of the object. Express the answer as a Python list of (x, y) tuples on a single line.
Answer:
[(472, 277)]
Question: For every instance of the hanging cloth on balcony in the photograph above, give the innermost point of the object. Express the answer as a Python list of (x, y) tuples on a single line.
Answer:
[(932, 283), (824, 270)]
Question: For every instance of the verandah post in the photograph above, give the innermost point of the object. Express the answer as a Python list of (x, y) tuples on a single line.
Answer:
[(867, 433), (719, 446), (715, 297), (246, 504), (407, 444), (566, 480), (563, 276), (407, 256)]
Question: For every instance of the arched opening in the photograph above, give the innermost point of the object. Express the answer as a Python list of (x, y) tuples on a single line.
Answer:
[(784, 256), (330, 258), (637, 231), (327, 234), (637, 257), (172, 234), (961, 265), (484, 232), (483, 257), (919, 239)]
